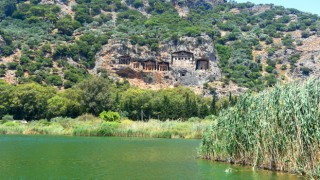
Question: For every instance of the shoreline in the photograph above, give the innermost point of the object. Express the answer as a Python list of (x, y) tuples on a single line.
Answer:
[(125, 129), (100, 128)]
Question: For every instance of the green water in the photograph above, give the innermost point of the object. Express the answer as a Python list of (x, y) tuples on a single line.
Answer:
[(51, 157)]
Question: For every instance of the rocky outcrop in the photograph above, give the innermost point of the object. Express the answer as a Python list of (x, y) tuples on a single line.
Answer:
[(182, 6), (309, 62), (258, 9), (65, 6), (197, 3), (54, 2), (181, 72)]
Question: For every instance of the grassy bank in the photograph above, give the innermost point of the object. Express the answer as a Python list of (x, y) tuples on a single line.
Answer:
[(91, 126), (278, 129)]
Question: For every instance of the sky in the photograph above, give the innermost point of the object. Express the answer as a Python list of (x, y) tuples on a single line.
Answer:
[(311, 6)]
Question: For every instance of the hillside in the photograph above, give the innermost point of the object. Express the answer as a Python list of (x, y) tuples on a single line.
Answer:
[(245, 46)]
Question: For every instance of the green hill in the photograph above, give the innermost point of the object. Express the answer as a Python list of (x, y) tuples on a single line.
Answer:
[(57, 43)]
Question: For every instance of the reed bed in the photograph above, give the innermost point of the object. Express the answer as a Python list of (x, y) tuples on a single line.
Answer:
[(277, 129), (98, 127)]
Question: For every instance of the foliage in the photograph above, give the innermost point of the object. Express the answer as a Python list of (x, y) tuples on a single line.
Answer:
[(96, 95), (110, 116), (34, 13), (270, 128), (29, 101), (98, 127), (7, 117), (65, 104), (66, 25), (46, 35)]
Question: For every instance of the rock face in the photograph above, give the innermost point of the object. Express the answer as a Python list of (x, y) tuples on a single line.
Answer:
[(196, 3), (189, 61), (54, 2), (65, 6), (182, 6)]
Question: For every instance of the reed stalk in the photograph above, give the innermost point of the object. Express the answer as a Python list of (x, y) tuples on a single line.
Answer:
[(277, 129)]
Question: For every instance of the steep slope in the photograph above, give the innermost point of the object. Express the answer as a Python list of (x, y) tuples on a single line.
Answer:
[(250, 46)]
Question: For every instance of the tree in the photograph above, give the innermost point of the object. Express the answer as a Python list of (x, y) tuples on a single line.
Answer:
[(5, 91), (204, 111), (187, 107), (19, 72), (66, 25), (96, 94), (7, 7), (137, 3), (65, 104), (54, 80), (30, 101)]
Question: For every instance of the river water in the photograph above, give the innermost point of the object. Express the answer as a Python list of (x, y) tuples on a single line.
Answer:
[(59, 157)]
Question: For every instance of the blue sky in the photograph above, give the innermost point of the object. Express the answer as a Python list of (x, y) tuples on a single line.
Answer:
[(312, 6)]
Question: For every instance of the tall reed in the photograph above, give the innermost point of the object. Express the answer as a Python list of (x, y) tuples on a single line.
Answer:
[(277, 129)]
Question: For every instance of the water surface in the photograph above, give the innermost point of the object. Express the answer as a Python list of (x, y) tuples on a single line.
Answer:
[(51, 157)]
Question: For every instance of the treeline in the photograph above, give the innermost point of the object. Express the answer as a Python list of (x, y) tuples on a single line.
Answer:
[(97, 94)]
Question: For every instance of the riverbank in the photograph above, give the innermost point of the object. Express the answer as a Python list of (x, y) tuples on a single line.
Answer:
[(92, 126)]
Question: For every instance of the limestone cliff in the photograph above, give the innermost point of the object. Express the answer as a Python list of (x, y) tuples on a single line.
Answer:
[(184, 72)]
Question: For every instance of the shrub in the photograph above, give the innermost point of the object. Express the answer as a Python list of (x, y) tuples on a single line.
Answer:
[(107, 129), (86, 117), (284, 67), (305, 34), (10, 124), (137, 3), (13, 65), (110, 116), (211, 118), (269, 69), (194, 119), (3, 121), (64, 122), (271, 51), (305, 71), (43, 122), (8, 117), (287, 41)]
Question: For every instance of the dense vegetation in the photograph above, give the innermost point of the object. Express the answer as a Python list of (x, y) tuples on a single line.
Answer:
[(88, 125), (95, 95), (277, 129), (57, 47)]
